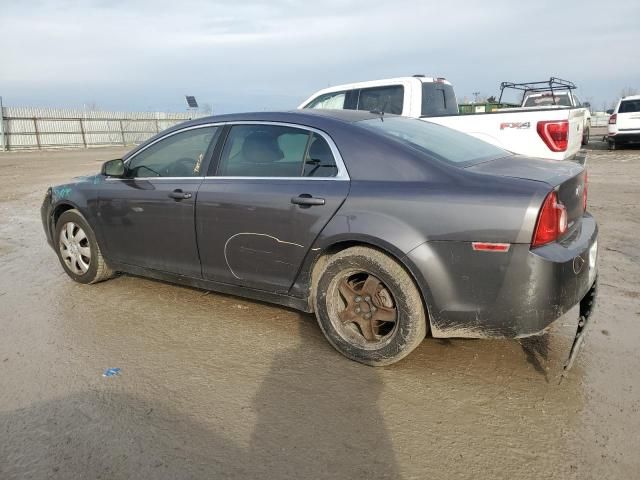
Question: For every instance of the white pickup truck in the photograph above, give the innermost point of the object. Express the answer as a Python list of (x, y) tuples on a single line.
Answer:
[(536, 132)]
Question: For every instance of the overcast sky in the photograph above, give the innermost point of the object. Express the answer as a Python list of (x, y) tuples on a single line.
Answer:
[(256, 55)]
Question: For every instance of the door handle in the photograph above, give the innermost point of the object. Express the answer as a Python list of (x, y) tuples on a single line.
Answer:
[(179, 195), (306, 200)]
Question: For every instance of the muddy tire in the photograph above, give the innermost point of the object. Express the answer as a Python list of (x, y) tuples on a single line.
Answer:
[(78, 250), (585, 136), (368, 307)]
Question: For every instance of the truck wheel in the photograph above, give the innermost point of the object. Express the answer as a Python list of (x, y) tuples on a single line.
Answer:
[(368, 307), (78, 249), (585, 137)]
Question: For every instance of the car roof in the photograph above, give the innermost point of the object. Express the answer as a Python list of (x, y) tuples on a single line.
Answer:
[(326, 120), (630, 97), (312, 118)]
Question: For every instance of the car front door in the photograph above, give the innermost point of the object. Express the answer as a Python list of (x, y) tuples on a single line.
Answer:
[(147, 217), (271, 192)]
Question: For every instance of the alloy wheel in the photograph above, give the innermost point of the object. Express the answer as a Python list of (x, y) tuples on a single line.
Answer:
[(366, 311)]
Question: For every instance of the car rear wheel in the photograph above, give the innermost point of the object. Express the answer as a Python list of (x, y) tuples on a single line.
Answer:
[(585, 136), (78, 249), (368, 307)]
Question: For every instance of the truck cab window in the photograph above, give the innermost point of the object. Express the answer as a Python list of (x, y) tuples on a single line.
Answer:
[(334, 100), (388, 99)]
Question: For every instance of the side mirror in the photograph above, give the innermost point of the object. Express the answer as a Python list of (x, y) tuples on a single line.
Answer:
[(113, 168), (610, 111)]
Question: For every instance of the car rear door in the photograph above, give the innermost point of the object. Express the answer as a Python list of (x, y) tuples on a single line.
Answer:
[(147, 219), (628, 117), (271, 192)]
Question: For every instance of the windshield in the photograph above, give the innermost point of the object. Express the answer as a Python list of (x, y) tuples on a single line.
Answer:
[(546, 99), (438, 99), (438, 141)]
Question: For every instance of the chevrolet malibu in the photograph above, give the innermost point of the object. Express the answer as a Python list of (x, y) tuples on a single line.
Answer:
[(386, 227)]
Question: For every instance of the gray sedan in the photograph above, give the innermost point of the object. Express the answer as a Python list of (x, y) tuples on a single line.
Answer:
[(385, 227)]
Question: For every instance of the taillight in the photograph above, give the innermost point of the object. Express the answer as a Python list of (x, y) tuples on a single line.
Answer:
[(584, 192), (554, 134), (552, 221), (613, 119)]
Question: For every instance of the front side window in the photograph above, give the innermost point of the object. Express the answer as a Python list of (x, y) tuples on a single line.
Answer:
[(382, 99), (333, 100), (178, 155)]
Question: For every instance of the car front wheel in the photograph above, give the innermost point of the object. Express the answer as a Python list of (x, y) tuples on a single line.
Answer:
[(78, 249), (368, 307)]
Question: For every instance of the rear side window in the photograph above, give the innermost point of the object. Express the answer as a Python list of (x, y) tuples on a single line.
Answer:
[(629, 106), (263, 151), (438, 99), (275, 151), (382, 99), (319, 161), (333, 100), (435, 140)]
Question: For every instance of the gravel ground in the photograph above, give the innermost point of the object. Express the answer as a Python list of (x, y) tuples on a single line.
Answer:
[(213, 386)]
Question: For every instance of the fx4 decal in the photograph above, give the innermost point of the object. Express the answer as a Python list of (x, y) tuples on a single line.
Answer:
[(519, 125)]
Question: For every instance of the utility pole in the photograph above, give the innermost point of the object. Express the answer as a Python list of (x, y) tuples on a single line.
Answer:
[(475, 97), (3, 145)]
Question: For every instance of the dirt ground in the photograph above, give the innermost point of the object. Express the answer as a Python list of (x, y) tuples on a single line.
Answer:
[(213, 386)]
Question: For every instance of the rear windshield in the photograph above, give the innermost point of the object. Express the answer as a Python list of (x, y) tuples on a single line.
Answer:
[(438, 99), (441, 142), (548, 99), (629, 106)]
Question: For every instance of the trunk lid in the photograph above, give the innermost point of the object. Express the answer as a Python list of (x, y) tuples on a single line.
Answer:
[(568, 177)]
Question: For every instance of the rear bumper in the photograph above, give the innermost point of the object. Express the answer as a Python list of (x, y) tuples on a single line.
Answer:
[(514, 294), (621, 137)]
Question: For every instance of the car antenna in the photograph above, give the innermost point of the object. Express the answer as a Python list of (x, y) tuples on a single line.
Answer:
[(378, 112), (381, 111)]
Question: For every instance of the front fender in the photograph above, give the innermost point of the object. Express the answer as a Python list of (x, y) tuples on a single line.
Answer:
[(79, 195)]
